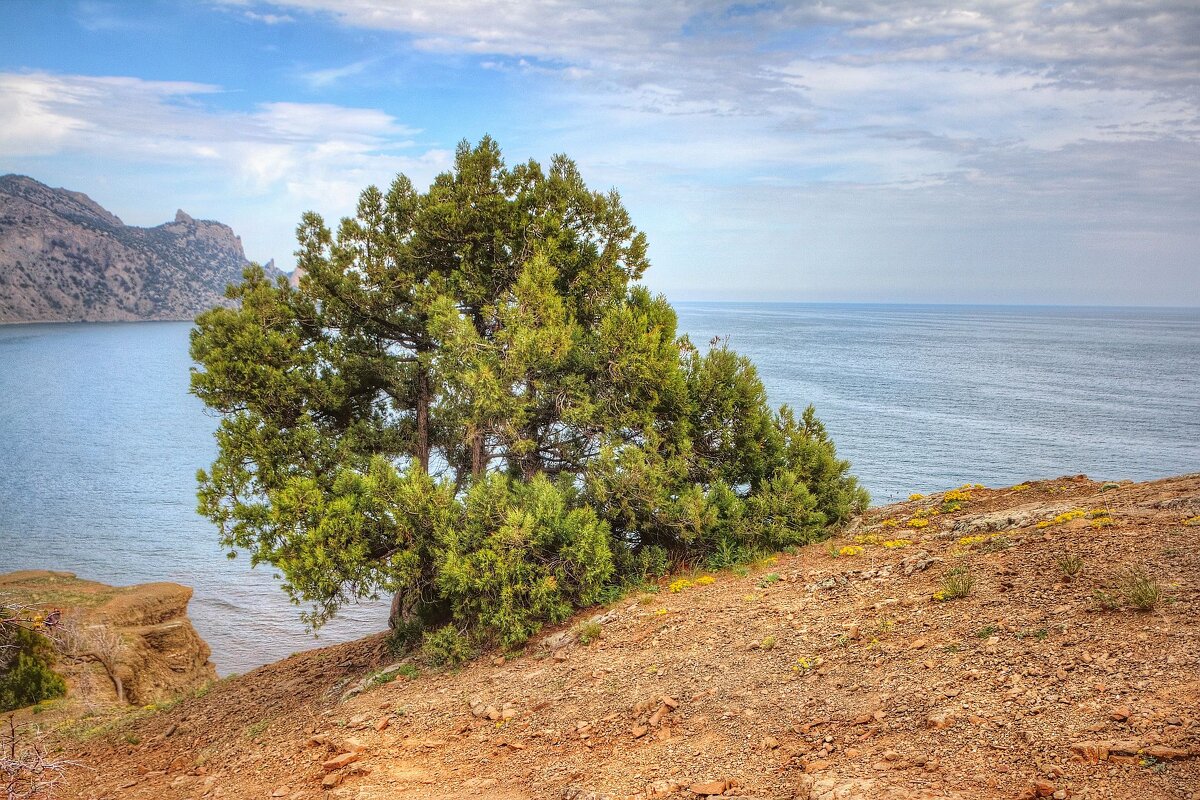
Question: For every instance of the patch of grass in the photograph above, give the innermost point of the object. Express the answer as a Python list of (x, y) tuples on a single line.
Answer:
[(959, 582), (257, 729), (1108, 486), (997, 543), (1106, 600), (589, 632), (986, 631), (1141, 589), (767, 580), (768, 643), (1040, 634), (1070, 564)]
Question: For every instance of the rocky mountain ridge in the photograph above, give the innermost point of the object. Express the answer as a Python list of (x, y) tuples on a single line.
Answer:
[(64, 258)]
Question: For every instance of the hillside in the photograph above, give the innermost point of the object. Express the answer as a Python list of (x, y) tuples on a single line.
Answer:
[(64, 258), (827, 673)]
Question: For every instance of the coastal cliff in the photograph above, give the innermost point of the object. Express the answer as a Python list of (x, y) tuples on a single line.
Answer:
[(64, 258), (124, 645)]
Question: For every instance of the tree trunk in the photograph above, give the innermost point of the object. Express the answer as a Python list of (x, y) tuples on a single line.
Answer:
[(423, 400), (477, 461)]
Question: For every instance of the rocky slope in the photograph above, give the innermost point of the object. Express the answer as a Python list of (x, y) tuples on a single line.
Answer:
[(129, 645), (846, 670), (64, 258)]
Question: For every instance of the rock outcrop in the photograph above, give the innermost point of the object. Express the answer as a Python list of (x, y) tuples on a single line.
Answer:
[(63, 258), (133, 644)]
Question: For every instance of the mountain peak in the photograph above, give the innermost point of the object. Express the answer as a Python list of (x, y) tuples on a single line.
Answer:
[(65, 258)]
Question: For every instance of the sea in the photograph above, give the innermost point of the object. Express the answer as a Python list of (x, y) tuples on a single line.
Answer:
[(100, 440)]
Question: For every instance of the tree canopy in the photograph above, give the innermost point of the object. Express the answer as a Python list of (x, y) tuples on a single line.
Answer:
[(472, 404)]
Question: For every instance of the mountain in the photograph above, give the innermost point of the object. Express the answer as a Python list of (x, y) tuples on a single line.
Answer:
[(65, 258)]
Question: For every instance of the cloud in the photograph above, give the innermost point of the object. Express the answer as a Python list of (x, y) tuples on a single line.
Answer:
[(326, 78), (266, 148)]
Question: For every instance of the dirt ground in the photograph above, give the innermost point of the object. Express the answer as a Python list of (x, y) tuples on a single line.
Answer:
[(847, 669)]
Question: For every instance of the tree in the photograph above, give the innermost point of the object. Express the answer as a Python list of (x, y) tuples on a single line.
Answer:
[(471, 403)]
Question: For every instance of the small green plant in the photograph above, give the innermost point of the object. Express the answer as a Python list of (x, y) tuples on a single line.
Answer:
[(257, 729), (997, 543), (409, 671), (589, 632), (768, 643), (1070, 565), (132, 738), (728, 553), (1108, 486), (447, 646), (1040, 634), (1106, 600), (1141, 589), (956, 584), (986, 631), (767, 580)]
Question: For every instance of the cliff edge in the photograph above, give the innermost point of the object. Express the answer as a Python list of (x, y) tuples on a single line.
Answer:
[(132, 645)]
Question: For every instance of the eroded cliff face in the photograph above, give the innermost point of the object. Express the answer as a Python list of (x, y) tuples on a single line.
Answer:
[(133, 644), (63, 258)]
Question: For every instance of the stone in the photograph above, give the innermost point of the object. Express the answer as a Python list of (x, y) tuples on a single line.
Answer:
[(710, 788), (332, 780), (337, 762), (1044, 788), (1120, 713), (280, 791), (639, 731), (939, 719), (382, 724), (769, 743)]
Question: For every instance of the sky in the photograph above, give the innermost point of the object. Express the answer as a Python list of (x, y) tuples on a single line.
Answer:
[(1001, 151)]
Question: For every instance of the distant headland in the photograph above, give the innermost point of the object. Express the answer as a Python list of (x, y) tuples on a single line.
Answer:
[(64, 258)]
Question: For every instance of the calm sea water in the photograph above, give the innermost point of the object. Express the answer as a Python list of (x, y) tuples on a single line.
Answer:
[(100, 441)]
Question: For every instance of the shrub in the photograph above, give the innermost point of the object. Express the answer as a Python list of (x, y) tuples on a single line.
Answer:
[(957, 583), (1140, 589), (26, 676), (523, 557), (447, 646), (1069, 565)]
